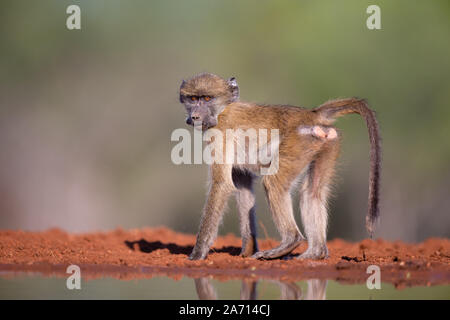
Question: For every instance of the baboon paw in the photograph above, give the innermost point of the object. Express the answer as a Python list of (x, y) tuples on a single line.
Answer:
[(259, 255), (268, 254), (316, 255), (245, 253), (280, 251), (249, 249), (197, 256)]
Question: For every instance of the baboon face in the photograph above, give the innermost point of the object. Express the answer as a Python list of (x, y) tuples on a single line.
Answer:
[(205, 96)]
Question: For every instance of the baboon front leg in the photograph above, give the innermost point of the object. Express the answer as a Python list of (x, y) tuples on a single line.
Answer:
[(245, 199), (313, 202), (221, 186), (280, 202)]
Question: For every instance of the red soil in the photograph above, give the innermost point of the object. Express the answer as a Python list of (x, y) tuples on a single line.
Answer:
[(140, 253)]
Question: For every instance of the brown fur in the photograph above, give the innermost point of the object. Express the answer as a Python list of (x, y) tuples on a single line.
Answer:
[(309, 159)]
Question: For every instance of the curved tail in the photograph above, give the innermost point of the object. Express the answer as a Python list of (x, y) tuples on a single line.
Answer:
[(328, 112)]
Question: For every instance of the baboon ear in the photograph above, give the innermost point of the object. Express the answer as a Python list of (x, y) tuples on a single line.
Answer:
[(234, 88)]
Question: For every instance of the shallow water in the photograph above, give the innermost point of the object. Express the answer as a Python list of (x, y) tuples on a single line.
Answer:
[(36, 286)]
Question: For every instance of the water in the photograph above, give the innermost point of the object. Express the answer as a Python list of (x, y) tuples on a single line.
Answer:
[(36, 286)]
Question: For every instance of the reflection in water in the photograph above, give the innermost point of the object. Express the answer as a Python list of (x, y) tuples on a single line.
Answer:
[(205, 289), (248, 290), (289, 290), (22, 285), (316, 289)]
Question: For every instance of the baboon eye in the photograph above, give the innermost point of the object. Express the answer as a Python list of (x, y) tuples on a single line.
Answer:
[(194, 98), (207, 98)]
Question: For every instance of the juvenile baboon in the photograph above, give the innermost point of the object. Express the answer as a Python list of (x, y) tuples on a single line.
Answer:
[(308, 147)]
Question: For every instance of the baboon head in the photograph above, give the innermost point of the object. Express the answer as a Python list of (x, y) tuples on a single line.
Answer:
[(205, 96)]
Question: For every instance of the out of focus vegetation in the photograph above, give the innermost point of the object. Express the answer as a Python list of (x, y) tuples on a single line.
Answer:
[(86, 116)]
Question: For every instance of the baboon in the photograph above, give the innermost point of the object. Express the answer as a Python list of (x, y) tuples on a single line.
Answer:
[(307, 150)]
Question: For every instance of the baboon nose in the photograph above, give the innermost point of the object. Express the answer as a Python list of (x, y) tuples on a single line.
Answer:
[(195, 118)]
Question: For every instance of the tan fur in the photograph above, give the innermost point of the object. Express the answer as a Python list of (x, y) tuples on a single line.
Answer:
[(205, 85), (308, 149)]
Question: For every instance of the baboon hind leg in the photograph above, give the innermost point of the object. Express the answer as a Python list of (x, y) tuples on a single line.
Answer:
[(245, 198), (314, 193), (280, 202)]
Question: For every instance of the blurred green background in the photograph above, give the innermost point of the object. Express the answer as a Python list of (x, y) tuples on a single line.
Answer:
[(86, 115)]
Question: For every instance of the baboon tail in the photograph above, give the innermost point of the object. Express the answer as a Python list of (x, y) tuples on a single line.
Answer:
[(328, 112)]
